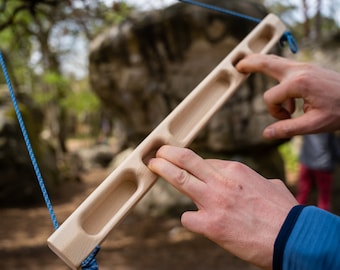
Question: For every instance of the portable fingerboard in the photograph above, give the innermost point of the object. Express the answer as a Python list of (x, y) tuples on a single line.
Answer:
[(112, 200)]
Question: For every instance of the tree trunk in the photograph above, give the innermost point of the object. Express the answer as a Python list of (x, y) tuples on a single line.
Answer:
[(58, 118), (318, 21), (306, 24)]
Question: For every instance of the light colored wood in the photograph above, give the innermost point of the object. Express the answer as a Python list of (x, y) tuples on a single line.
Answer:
[(125, 186)]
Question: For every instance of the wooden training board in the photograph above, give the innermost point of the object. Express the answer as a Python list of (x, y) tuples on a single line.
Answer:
[(112, 200)]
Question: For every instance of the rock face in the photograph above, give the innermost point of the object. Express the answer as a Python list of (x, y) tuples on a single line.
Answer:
[(144, 67), (18, 183)]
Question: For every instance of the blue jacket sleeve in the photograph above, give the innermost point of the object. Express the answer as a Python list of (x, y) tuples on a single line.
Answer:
[(308, 240)]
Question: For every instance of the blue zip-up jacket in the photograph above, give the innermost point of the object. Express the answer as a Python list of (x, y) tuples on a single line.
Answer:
[(308, 240)]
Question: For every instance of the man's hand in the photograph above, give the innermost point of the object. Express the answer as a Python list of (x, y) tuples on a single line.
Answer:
[(319, 89), (237, 208)]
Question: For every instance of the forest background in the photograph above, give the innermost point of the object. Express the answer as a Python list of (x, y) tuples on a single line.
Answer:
[(45, 44)]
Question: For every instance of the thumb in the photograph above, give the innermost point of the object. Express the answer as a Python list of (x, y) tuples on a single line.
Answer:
[(287, 128), (278, 130), (192, 220)]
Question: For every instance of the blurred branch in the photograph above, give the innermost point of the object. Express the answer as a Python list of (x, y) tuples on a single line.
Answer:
[(30, 6), (10, 20)]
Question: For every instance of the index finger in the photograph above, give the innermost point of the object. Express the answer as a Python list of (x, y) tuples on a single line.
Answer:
[(188, 160), (270, 65), (179, 178)]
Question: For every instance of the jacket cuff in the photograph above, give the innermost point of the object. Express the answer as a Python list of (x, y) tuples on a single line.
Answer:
[(282, 238)]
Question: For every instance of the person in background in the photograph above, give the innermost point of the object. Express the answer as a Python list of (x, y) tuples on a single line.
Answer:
[(317, 164), (258, 220)]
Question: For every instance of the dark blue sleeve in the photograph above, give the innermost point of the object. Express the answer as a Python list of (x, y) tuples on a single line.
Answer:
[(308, 240)]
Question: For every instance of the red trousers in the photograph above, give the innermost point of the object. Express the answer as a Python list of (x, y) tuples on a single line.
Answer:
[(323, 181)]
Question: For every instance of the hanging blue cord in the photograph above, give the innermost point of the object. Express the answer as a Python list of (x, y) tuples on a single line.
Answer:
[(221, 10), (90, 262), (286, 38), (28, 144)]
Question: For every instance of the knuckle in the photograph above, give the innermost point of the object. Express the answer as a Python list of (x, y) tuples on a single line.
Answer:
[(287, 131), (277, 182), (228, 180), (304, 79), (185, 155), (236, 166), (268, 98), (182, 177)]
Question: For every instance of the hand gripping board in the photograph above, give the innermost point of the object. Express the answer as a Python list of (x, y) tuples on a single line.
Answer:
[(111, 201)]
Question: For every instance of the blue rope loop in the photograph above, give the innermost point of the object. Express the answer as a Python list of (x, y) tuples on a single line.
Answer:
[(289, 38), (286, 38), (90, 262)]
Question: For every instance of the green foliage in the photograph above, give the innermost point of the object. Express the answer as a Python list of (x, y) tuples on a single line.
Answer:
[(6, 37), (289, 156), (121, 12), (108, 17), (47, 89), (280, 8), (80, 102), (43, 98), (55, 79), (77, 97)]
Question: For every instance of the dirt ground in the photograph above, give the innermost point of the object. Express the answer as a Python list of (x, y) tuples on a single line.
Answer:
[(138, 243)]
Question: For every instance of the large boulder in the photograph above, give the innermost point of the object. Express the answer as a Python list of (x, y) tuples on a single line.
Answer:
[(144, 67)]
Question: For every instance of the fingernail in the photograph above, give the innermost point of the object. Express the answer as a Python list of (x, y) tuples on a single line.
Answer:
[(149, 161), (269, 133)]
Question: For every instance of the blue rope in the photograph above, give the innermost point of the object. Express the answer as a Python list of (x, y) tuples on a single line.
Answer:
[(286, 38), (28, 144), (90, 262), (221, 10)]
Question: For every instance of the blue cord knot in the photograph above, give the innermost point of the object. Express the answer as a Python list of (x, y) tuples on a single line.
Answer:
[(289, 38)]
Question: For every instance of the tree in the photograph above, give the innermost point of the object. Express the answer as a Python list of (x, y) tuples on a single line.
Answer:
[(314, 18), (306, 23), (318, 21), (40, 28)]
